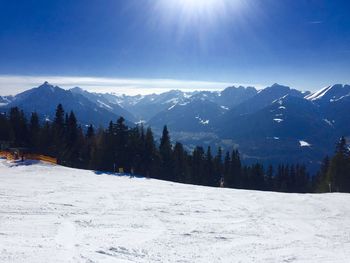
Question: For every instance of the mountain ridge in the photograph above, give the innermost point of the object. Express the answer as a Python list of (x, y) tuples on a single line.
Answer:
[(286, 121)]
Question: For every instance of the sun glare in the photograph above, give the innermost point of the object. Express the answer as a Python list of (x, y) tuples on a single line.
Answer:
[(192, 12), (197, 5)]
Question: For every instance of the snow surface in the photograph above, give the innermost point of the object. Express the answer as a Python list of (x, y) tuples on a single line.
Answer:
[(304, 144), (56, 214), (172, 107), (202, 121), (319, 94), (103, 105), (278, 120), (328, 122)]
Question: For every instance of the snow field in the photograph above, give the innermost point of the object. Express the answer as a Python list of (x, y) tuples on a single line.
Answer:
[(56, 214)]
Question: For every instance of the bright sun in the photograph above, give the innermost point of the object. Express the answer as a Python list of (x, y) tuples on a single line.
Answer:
[(197, 4), (197, 11), (198, 7), (198, 18)]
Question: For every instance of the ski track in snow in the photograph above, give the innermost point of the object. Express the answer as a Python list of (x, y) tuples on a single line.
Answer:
[(56, 214)]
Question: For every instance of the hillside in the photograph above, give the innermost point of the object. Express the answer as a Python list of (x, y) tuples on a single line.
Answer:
[(57, 214)]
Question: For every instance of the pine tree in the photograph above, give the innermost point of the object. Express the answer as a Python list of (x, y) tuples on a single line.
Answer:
[(197, 165), (235, 170), (228, 182), (208, 177), (257, 177), (338, 174), (150, 157), (180, 163), (18, 124), (58, 132), (270, 179), (166, 156), (90, 133), (121, 144), (218, 167), (4, 128), (34, 129)]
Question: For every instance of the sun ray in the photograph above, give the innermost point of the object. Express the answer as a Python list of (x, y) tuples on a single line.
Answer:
[(196, 15)]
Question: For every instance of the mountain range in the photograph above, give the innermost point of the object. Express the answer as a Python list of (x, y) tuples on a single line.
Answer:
[(272, 125)]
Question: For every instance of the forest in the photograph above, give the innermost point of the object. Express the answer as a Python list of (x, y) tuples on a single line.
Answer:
[(134, 150)]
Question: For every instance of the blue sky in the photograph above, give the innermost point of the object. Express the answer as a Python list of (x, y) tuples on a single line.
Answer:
[(304, 44)]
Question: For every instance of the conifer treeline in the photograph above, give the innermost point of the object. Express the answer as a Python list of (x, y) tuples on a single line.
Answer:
[(135, 150), (334, 175)]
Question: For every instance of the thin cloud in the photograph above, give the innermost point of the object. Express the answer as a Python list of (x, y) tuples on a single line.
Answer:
[(13, 84), (316, 22)]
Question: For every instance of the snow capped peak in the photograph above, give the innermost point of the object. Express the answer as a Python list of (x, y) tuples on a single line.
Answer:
[(47, 85), (330, 93), (276, 85), (319, 94)]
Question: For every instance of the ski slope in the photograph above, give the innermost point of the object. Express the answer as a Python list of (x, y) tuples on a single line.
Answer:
[(56, 214)]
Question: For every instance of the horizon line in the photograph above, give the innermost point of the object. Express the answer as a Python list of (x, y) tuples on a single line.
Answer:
[(14, 84)]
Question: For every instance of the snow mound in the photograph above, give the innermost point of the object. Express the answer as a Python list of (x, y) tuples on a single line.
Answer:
[(57, 214), (304, 144)]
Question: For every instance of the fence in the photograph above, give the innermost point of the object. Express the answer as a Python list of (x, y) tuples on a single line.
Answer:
[(28, 156)]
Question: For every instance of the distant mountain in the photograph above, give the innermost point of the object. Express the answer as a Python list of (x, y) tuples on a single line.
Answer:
[(104, 103), (262, 99), (146, 107), (334, 103), (273, 125), (232, 96), (290, 129), (191, 116), (197, 111), (330, 94), (4, 100), (45, 98)]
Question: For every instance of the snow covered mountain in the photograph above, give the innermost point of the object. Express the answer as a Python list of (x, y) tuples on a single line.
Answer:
[(104, 103), (330, 94), (269, 125), (262, 99), (191, 116), (150, 106), (45, 98), (70, 215), (334, 103), (291, 129), (280, 124)]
